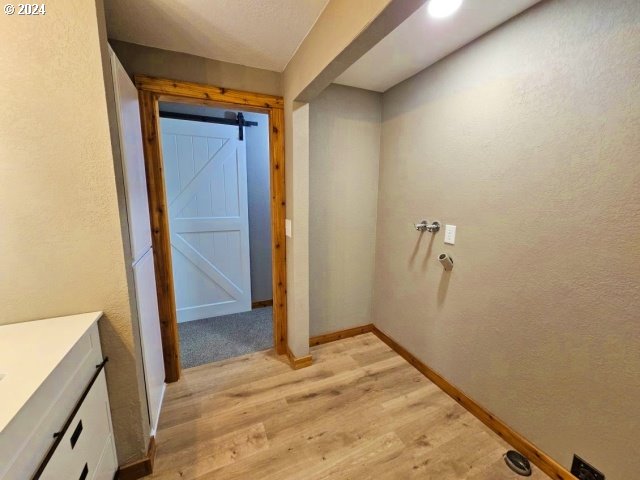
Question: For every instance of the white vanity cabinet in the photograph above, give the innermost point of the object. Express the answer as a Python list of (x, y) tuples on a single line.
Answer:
[(55, 421)]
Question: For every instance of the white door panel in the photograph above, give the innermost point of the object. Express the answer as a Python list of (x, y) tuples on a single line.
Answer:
[(206, 183), (147, 299), (140, 231), (132, 160)]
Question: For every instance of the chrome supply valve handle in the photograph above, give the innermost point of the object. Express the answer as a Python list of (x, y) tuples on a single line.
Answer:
[(424, 226)]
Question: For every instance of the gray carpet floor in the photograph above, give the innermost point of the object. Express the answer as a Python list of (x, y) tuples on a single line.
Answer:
[(212, 339)]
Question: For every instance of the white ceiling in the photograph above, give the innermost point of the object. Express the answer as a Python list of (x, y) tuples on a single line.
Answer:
[(421, 41), (256, 33)]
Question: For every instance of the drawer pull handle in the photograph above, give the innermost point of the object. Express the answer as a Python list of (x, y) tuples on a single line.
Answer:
[(85, 472), (76, 435), (58, 435)]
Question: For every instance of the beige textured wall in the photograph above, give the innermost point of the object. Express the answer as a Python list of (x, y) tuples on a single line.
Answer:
[(191, 68), (344, 149), (61, 250), (528, 140), (297, 197), (331, 34), (139, 424), (345, 30), (338, 26)]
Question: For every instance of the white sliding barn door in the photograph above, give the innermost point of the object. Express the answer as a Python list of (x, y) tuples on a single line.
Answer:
[(206, 181)]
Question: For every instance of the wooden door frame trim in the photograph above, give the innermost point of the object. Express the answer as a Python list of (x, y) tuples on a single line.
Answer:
[(151, 92)]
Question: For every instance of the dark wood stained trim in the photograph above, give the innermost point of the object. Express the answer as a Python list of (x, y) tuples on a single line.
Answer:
[(139, 468), (262, 303), (339, 335), (524, 446)]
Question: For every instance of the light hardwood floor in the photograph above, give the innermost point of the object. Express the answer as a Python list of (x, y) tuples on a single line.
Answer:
[(359, 412)]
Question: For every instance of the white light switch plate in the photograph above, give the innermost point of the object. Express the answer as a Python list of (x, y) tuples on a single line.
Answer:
[(450, 234), (287, 227)]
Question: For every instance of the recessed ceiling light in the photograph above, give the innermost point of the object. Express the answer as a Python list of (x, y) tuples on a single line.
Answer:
[(443, 8)]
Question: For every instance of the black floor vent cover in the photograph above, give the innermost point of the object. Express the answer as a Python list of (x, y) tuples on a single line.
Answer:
[(518, 463)]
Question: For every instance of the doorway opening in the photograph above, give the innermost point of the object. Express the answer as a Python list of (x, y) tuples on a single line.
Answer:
[(215, 173)]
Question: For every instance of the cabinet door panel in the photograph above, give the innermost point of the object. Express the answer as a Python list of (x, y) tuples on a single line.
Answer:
[(149, 319), (132, 159)]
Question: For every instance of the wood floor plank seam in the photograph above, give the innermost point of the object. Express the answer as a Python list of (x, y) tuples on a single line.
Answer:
[(242, 399), (524, 446), (359, 412)]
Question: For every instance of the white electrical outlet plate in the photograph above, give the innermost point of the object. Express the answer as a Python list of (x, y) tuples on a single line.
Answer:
[(287, 227), (450, 234)]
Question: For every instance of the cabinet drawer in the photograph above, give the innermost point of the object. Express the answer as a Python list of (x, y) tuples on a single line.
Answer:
[(80, 449), (26, 440), (108, 463)]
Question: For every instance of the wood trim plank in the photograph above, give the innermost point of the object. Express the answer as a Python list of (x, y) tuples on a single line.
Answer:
[(339, 335), (524, 446), (151, 91), (164, 86), (140, 468), (278, 240), (211, 103), (299, 362), (262, 303), (159, 214)]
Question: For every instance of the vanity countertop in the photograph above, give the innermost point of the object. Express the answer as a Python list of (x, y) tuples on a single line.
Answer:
[(29, 352)]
